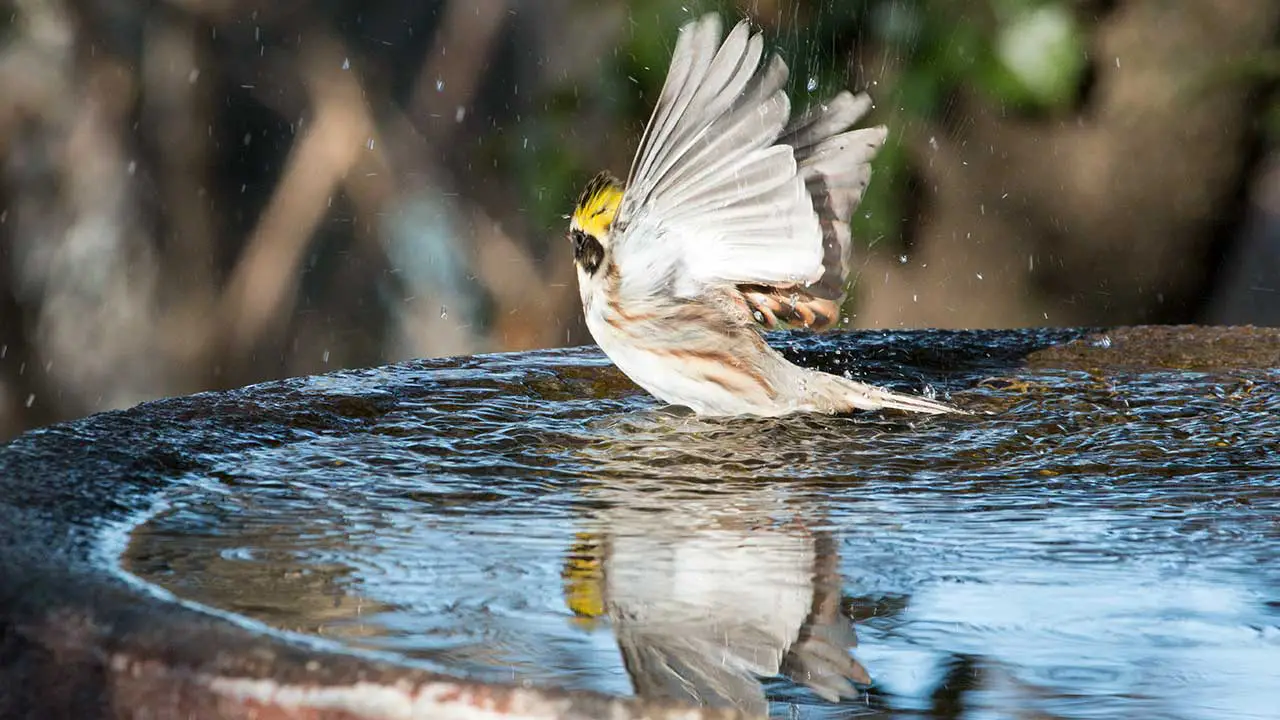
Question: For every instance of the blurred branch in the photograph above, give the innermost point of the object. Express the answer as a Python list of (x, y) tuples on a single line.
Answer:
[(174, 111), (260, 292), (449, 79)]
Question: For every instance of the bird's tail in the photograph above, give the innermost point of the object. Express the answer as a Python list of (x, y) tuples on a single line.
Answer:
[(832, 393)]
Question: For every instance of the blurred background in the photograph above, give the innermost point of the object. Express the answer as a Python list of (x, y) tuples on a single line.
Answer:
[(202, 194)]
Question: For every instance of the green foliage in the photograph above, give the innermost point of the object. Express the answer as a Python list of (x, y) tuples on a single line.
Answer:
[(1039, 52), (546, 166)]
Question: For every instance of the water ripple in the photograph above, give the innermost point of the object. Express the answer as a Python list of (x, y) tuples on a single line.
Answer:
[(1105, 543)]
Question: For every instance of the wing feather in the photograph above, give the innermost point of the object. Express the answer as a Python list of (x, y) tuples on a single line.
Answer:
[(694, 47), (712, 199), (734, 142), (699, 129), (725, 191), (835, 163), (826, 119), (750, 180)]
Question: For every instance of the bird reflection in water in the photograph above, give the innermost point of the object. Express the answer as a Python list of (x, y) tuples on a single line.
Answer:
[(709, 588)]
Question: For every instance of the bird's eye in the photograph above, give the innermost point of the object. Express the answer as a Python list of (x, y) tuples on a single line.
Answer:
[(587, 251)]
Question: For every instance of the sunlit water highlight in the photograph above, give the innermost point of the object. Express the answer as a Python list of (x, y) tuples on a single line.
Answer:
[(1105, 544)]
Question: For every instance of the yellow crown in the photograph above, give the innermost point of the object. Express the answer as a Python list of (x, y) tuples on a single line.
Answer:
[(598, 205)]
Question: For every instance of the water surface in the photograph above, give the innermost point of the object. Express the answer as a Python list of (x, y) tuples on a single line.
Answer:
[(1104, 543)]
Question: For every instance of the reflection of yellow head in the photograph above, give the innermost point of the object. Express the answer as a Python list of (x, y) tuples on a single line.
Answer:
[(598, 205), (583, 577)]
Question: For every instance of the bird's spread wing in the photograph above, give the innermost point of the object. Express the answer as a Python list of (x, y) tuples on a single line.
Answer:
[(725, 193), (712, 200), (835, 163)]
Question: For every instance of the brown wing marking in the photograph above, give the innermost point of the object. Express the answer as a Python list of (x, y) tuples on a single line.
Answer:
[(835, 241), (778, 307), (812, 307)]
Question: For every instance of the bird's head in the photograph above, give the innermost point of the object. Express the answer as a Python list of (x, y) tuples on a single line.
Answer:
[(591, 225)]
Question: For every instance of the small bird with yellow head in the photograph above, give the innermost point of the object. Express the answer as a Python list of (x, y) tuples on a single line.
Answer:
[(734, 221)]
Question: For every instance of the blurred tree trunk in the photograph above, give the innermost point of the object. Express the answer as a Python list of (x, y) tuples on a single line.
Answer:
[(1111, 215)]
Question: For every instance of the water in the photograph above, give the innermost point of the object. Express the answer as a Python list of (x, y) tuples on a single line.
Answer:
[(1106, 543)]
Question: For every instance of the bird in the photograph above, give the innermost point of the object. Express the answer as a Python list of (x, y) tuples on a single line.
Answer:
[(733, 222)]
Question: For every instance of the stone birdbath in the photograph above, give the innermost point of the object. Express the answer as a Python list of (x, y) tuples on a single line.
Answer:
[(529, 536)]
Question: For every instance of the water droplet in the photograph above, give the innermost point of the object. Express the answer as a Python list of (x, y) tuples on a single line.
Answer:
[(31, 399), (439, 84), (133, 167), (324, 357), (444, 313), (812, 84), (370, 143), (346, 63), (902, 259), (459, 114)]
